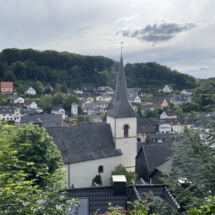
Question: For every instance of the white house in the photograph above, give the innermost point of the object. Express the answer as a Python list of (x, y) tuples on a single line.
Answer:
[(74, 109), (16, 99), (79, 92), (10, 114), (134, 98), (30, 91), (30, 104), (180, 99), (103, 98), (164, 128), (168, 115), (187, 92), (165, 88), (58, 110), (105, 90)]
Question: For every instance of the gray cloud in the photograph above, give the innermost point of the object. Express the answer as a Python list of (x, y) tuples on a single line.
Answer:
[(159, 32), (203, 68)]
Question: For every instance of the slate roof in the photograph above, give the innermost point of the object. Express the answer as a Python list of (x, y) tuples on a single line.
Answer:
[(29, 88), (180, 97), (101, 196), (158, 101), (147, 125), (133, 90), (120, 107), (156, 154), (160, 138), (27, 110), (7, 110), (163, 85), (28, 102), (48, 120), (82, 143), (166, 166), (170, 113), (104, 88), (13, 97), (91, 123), (56, 108), (90, 106), (141, 181), (132, 97)]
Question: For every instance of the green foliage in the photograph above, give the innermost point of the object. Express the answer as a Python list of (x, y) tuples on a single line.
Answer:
[(9, 76), (58, 67), (20, 193), (83, 118), (208, 208), (104, 117), (38, 86), (177, 110), (64, 88), (140, 110), (58, 99), (57, 88), (97, 179), (39, 149), (151, 113), (193, 157), (69, 100), (131, 177), (46, 102)]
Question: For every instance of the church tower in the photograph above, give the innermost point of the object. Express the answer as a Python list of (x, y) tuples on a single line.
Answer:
[(123, 121)]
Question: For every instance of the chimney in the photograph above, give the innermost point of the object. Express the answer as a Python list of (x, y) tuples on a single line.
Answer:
[(119, 185)]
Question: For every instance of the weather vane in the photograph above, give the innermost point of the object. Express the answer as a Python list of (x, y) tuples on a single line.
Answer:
[(121, 47)]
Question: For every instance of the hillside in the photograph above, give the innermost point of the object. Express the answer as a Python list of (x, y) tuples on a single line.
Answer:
[(59, 67)]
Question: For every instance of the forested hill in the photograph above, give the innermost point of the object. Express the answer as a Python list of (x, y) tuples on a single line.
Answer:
[(58, 67)]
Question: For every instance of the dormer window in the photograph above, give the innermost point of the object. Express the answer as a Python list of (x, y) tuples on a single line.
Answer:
[(126, 127)]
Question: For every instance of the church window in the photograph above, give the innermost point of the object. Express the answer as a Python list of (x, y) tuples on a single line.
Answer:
[(126, 127), (100, 169)]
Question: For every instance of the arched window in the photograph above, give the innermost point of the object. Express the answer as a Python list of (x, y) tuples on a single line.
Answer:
[(126, 127), (100, 169)]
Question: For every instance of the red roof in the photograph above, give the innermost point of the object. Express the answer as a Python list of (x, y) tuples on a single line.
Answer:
[(7, 84)]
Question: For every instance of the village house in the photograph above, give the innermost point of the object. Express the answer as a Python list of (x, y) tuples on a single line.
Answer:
[(165, 88), (160, 102), (180, 99), (16, 99), (105, 90), (95, 117), (79, 92), (30, 104), (187, 92), (89, 108), (27, 111), (137, 91), (134, 98), (6, 87), (103, 98), (58, 110), (87, 90), (163, 127), (30, 91), (101, 106), (168, 115), (10, 114)]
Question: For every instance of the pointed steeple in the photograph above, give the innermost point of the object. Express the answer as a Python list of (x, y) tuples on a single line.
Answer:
[(120, 107)]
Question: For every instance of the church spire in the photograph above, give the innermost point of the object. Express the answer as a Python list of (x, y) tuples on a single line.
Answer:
[(120, 107)]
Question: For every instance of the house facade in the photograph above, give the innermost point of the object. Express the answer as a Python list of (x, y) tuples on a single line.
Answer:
[(6, 87), (105, 90), (168, 115), (10, 114), (30, 91), (187, 92), (103, 98), (58, 110), (74, 109), (30, 104), (134, 98), (165, 88), (180, 99), (16, 100)]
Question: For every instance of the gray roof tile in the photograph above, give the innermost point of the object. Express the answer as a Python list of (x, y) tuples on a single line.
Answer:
[(82, 143), (121, 107)]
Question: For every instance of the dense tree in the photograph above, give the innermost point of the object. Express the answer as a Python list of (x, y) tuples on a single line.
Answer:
[(83, 118), (57, 88), (97, 179), (18, 193), (192, 174), (58, 99), (38, 87), (121, 170), (64, 88), (177, 110), (46, 102), (9, 76), (69, 100)]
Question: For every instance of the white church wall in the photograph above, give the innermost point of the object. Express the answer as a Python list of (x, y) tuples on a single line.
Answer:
[(82, 173), (111, 121)]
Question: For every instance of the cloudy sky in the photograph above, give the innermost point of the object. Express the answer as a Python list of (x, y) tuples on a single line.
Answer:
[(177, 33)]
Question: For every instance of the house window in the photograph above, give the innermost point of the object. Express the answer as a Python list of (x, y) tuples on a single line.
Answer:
[(126, 127), (100, 169)]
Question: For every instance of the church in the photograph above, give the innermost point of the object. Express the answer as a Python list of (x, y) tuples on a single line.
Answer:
[(98, 148)]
